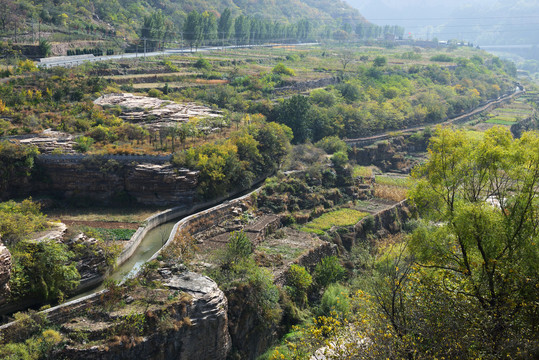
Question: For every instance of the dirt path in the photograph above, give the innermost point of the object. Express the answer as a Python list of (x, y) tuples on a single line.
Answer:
[(102, 224)]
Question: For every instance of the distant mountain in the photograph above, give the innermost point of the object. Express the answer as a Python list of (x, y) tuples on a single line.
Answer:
[(483, 22)]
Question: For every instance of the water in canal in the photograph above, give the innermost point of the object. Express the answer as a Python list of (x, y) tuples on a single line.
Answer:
[(149, 245)]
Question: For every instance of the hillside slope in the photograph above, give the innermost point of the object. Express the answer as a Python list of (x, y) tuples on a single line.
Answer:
[(125, 17)]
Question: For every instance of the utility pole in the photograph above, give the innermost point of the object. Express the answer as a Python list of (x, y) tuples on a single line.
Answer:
[(145, 48)]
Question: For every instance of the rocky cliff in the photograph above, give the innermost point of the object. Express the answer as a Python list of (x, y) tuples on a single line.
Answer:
[(184, 319), (109, 181), (5, 272), (200, 331)]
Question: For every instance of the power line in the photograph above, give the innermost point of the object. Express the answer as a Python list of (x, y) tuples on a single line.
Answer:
[(457, 18)]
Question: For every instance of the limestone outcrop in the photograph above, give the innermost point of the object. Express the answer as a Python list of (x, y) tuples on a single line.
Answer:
[(154, 113), (5, 272), (48, 141), (109, 181), (204, 336)]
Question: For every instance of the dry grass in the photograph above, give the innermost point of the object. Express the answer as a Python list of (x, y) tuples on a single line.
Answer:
[(390, 192), (122, 215), (141, 76), (212, 82), (364, 171)]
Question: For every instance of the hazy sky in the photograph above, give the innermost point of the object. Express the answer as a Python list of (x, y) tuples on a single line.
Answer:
[(480, 21)]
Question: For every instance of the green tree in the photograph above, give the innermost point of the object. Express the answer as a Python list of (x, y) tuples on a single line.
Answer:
[(328, 271), (209, 26), (154, 29), (42, 269), (298, 281), (239, 247), (18, 220), (242, 29), (193, 29), (224, 28), (16, 163), (273, 144), (481, 193), (294, 113), (44, 48)]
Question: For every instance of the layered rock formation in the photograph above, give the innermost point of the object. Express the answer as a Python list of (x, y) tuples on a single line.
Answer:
[(203, 334), (153, 112), (108, 181), (48, 141), (5, 272)]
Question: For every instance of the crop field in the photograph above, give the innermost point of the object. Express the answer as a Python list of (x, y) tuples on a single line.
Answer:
[(404, 182), (341, 217), (364, 171), (393, 188), (502, 120), (512, 113)]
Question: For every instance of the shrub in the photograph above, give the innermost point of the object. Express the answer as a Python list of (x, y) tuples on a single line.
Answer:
[(28, 324), (83, 144), (25, 66), (42, 269), (202, 63), (17, 351), (283, 70), (17, 220), (328, 271), (100, 133), (239, 246), (332, 144), (292, 57), (335, 299), (339, 159), (298, 282), (441, 58), (183, 248), (324, 97), (132, 324), (380, 61), (155, 93), (48, 340)]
